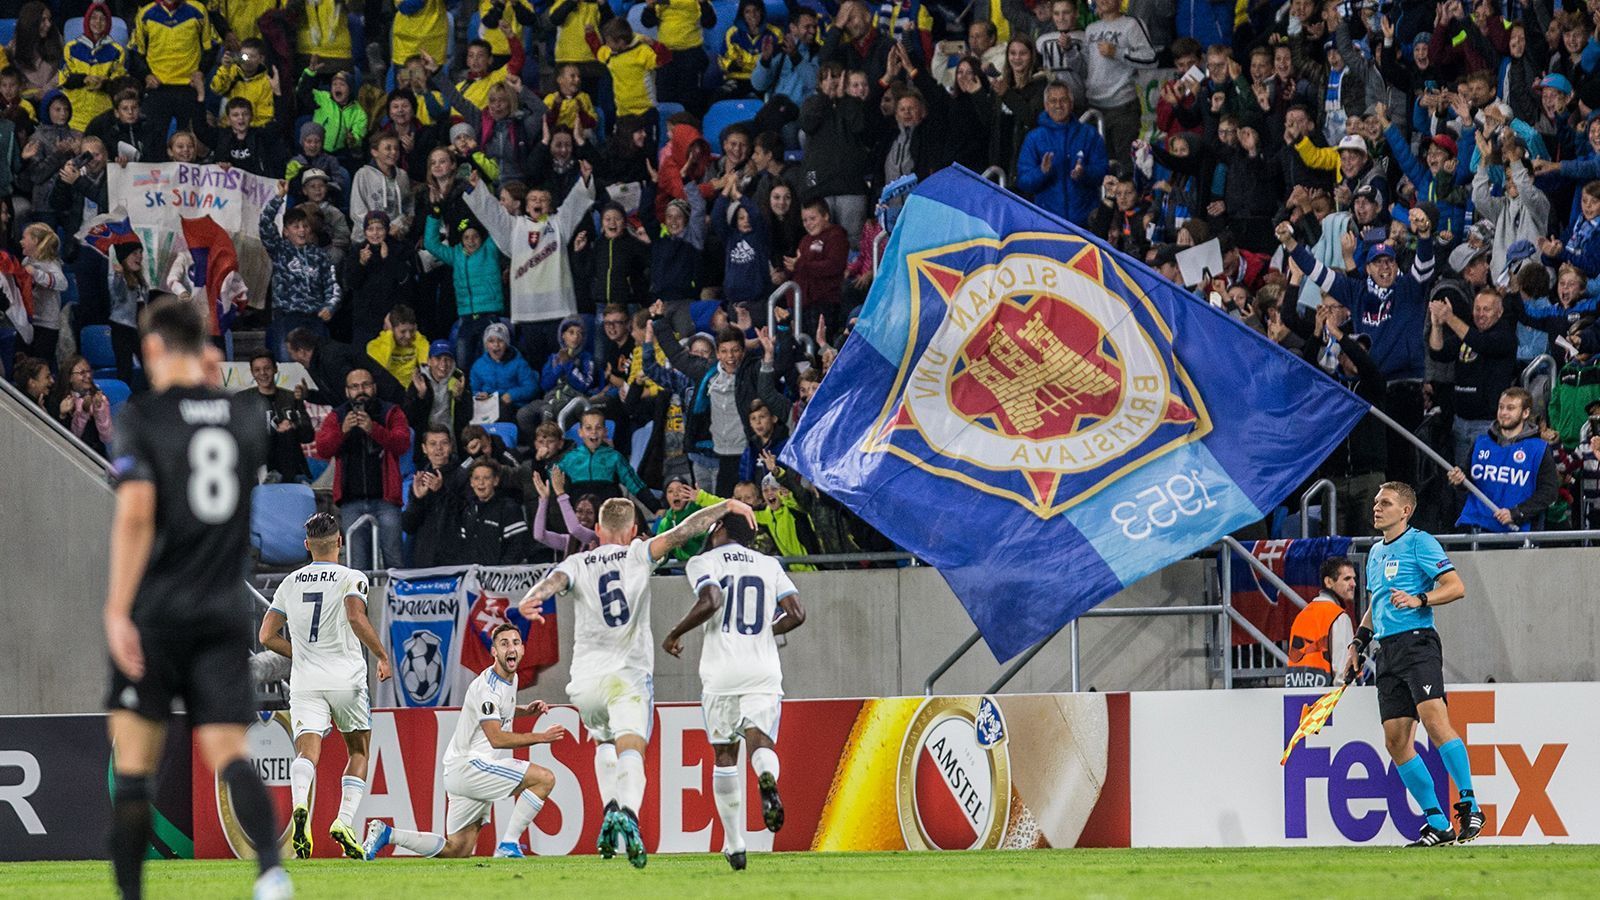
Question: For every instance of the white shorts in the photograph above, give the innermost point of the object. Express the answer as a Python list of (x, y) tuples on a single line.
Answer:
[(314, 712), (620, 703), (472, 786), (728, 716)]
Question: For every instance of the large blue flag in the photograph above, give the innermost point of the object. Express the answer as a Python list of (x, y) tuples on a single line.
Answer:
[(1046, 420)]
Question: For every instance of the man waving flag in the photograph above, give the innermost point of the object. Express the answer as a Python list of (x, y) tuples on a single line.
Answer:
[(1045, 419)]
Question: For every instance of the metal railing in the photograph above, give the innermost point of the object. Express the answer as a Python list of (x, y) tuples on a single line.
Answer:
[(880, 242), (575, 407), (371, 522), (1329, 493), (795, 306), (1545, 362), (995, 174), (1093, 117), (55, 425)]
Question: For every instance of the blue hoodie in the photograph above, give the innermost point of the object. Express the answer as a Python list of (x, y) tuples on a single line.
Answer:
[(511, 375), (580, 372), (1056, 190)]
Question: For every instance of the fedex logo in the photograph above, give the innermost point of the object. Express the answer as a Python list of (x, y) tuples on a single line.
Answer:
[(1356, 773)]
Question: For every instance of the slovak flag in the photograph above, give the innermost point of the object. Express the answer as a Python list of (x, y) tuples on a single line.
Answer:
[(103, 232), (493, 593), (17, 286), (205, 266)]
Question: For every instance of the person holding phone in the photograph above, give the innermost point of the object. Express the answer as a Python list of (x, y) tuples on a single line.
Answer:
[(78, 401), (437, 394)]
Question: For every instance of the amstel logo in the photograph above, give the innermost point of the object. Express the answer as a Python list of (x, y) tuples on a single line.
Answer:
[(954, 782)]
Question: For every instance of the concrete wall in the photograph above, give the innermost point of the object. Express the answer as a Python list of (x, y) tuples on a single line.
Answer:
[(55, 525)]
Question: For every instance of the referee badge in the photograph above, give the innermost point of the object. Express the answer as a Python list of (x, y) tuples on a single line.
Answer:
[(1391, 568)]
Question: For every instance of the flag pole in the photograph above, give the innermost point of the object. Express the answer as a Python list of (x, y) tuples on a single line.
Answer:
[(1432, 454)]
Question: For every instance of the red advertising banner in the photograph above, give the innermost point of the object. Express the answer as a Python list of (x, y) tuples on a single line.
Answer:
[(898, 773)]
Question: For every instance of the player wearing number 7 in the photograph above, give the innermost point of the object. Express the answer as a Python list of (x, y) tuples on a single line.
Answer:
[(613, 654), (741, 681), (324, 606)]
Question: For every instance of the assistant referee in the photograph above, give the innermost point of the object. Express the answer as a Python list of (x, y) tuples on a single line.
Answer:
[(1408, 574)]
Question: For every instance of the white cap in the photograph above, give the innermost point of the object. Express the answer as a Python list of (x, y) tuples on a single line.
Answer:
[(1353, 142)]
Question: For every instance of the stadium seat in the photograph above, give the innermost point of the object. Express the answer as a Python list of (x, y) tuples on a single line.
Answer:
[(635, 18), (724, 113), (405, 491), (665, 111), (506, 431), (8, 30), (701, 312), (95, 344), (72, 29), (408, 462), (278, 514), (116, 391), (641, 443)]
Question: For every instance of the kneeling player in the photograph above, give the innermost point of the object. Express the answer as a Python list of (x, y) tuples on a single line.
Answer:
[(741, 679), (325, 606), (479, 768)]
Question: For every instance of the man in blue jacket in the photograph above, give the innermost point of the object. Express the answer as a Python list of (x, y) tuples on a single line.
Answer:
[(1062, 161)]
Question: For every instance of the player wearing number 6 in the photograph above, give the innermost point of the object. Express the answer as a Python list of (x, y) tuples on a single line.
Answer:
[(177, 615), (613, 654), (741, 682), (324, 606), (1407, 575)]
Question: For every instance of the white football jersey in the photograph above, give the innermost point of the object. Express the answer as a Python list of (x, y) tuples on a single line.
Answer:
[(740, 655), (327, 655), (610, 587), (488, 697)]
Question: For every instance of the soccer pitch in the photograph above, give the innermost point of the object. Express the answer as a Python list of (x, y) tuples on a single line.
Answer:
[(1473, 871)]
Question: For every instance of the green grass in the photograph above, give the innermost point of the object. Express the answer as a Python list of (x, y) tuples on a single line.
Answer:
[(1481, 870)]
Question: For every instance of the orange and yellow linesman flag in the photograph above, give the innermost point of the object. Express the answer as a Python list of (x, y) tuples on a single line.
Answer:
[(1313, 717)]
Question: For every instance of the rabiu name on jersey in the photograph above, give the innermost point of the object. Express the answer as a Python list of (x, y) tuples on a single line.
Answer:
[(738, 556), (1512, 475), (205, 412)]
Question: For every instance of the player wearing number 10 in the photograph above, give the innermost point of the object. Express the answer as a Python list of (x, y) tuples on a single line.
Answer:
[(613, 655), (324, 606), (740, 679), (177, 616)]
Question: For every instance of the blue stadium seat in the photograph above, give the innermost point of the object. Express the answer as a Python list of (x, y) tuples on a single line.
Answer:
[(716, 36), (635, 18), (405, 491), (8, 30), (506, 431), (278, 514), (408, 462), (116, 391), (95, 344), (724, 113), (665, 111), (701, 312), (641, 443), (72, 29)]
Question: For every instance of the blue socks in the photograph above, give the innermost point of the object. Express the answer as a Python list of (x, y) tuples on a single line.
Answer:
[(1454, 755), (1419, 781)]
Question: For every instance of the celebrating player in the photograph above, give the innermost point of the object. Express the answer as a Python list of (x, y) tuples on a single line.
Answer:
[(177, 616), (740, 677), (1407, 575), (325, 606), (613, 654), (479, 768)]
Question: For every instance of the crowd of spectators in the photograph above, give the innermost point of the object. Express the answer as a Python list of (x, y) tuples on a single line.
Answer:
[(510, 260)]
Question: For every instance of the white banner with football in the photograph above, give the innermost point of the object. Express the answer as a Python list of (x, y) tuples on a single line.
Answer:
[(437, 623), (159, 197), (1206, 774)]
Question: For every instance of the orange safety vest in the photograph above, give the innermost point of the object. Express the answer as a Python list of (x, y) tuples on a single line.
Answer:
[(1310, 659)]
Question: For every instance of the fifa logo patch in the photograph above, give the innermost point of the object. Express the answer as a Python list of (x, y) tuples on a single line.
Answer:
[(1391, 568), (954, 780)]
